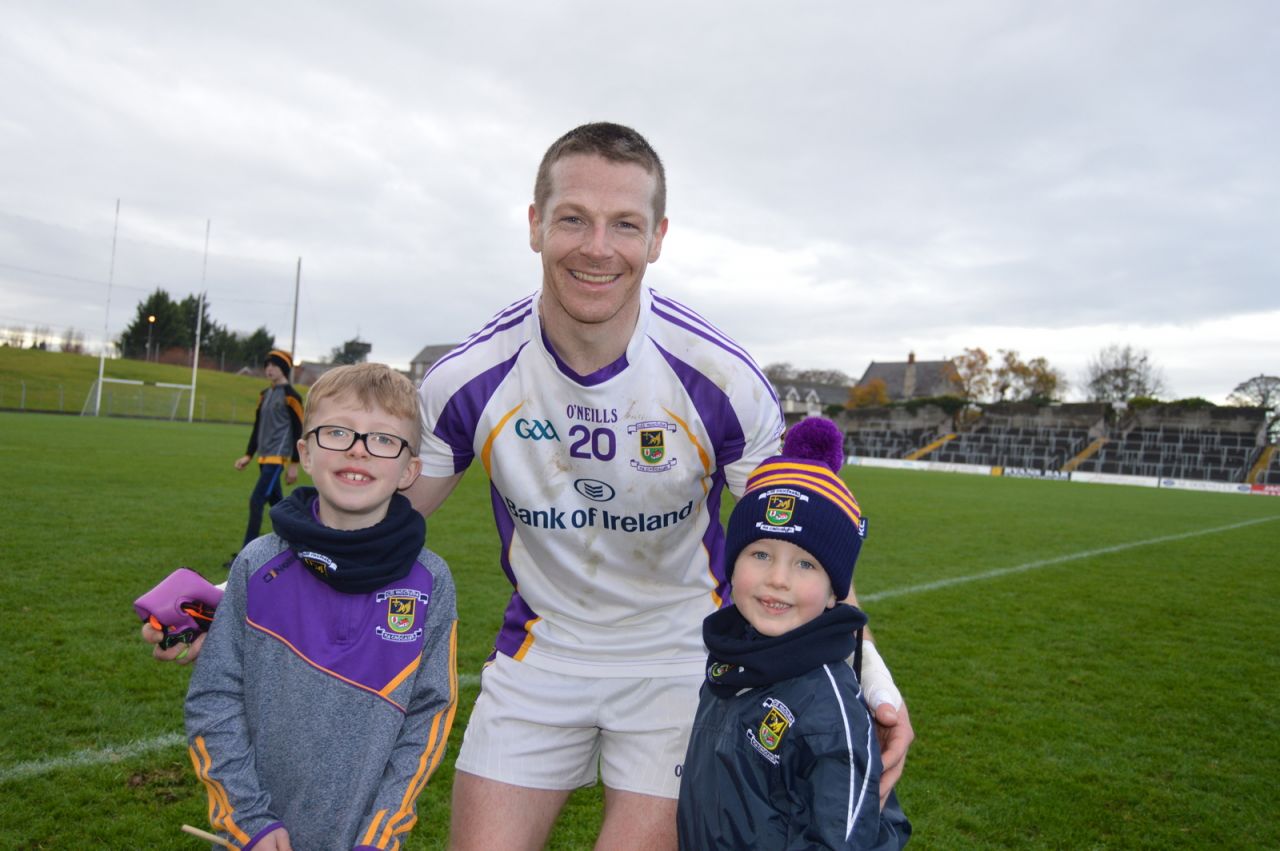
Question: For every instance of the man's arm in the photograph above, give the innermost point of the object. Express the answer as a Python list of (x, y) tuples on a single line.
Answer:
[(429, 492), (893, 722)]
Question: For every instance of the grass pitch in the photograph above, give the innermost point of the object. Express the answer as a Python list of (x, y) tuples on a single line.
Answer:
[(1086, 666)]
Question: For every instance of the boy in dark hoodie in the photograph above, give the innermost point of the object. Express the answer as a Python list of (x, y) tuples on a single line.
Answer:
[(784, 753)]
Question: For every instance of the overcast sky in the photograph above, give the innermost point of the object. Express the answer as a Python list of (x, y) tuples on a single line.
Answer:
[(849, 181)]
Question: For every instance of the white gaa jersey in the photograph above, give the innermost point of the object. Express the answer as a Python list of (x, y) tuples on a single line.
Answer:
[(606, 487)]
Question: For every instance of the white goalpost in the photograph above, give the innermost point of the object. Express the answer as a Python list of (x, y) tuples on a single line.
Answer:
[(135, 398)]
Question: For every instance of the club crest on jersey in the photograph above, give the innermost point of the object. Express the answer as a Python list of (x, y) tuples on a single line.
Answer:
[(403, 605), (400, 613), (653, 446), (780, 509), (775, 724), (319, 562)]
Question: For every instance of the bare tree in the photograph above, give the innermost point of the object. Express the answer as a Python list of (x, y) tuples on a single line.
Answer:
[(1261, 391), (1120, 373), (834, 377), (73, 341), (780, 373)]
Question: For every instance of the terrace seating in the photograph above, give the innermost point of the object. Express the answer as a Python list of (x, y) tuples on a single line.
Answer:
[(995, 444), (1177, 453), (886, 442)]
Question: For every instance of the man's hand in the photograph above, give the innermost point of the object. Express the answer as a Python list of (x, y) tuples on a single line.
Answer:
[(291, 474), (183, 654), (242, 462), (893, 729)]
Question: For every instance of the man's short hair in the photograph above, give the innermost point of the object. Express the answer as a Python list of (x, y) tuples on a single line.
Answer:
[(615, 143), (370, 385)]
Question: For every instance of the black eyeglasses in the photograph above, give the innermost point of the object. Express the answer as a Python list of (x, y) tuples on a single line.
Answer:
[(340, 439)]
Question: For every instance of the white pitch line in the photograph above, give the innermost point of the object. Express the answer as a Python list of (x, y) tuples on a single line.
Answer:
[(1049, 562), (116, 753)]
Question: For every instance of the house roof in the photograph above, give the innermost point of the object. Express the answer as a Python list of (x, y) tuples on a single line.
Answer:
[(431, 354), (912, 379)]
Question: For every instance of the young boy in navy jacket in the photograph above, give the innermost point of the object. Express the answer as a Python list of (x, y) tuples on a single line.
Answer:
[(784, 753)]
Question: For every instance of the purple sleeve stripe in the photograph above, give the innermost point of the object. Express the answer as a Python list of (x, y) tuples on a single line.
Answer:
[(714, 408), (509, 317), (460, 416), (723, 342)]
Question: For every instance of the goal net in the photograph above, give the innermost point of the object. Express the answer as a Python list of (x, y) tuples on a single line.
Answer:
[(123, 397)]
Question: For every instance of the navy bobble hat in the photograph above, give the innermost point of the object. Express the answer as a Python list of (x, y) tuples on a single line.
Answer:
[(799, 498)]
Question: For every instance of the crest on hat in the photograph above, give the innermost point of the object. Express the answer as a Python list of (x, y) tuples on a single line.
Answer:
[(780, 509)]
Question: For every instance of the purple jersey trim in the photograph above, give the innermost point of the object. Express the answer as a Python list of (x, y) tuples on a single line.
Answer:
[(458, 419), (352, 637), (713, 407), (600, 376), (508, 317), (513, 634), (695, 324)]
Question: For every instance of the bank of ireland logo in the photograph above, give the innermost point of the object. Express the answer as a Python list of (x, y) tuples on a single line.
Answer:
[(400, 613), (594, 489), (780, 509)]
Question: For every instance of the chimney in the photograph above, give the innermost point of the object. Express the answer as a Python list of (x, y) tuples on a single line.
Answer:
[(911, 357)]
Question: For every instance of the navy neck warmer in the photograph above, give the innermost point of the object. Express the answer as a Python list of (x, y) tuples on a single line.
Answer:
[(356, 561), (740, 657)]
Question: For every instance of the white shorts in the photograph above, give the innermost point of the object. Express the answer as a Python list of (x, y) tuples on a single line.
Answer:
[(546, 730)]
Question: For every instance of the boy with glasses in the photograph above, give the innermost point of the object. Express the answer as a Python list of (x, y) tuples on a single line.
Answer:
[(327, 685)]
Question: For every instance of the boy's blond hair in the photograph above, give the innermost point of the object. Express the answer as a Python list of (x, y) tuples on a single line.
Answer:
[(371, 385)]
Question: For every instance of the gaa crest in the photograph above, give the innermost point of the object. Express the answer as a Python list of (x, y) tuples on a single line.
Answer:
[(780, 509), (652, 445), (772, 728), (400, 613)]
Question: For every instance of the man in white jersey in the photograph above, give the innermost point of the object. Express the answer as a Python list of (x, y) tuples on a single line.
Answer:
[(609, 420)]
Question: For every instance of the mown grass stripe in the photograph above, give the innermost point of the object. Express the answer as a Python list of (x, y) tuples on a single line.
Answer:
[(1049, 562), (117, 753)]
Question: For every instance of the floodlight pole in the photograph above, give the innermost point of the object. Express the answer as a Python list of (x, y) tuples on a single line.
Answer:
[(195, 357), (297, 287), (106, 315)]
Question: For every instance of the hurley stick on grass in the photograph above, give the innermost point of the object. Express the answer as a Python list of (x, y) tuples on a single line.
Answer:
[(205, 835)]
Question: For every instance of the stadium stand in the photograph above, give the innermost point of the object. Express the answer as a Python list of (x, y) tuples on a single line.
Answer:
[(1164, 441)]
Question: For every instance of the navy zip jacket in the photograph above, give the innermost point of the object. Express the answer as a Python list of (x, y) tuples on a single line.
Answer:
[(783, 753)]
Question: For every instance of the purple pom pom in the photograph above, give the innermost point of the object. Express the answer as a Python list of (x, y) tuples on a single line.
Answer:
[(816, 439)]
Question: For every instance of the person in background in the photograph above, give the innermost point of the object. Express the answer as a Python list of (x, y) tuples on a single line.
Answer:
[(277, 424)]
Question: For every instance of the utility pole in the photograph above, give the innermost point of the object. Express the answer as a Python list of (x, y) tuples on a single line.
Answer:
[(297, 287)]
